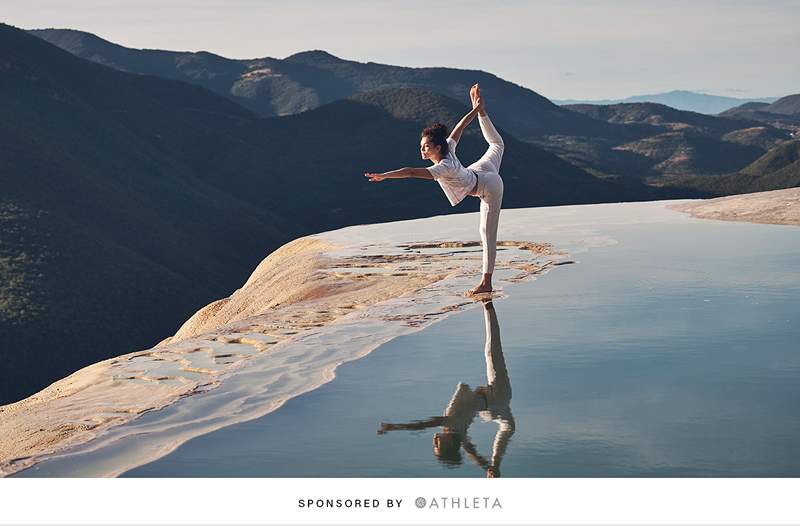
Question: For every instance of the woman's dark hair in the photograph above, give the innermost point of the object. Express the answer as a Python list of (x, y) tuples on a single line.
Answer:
[(448, 448), (437, 133)]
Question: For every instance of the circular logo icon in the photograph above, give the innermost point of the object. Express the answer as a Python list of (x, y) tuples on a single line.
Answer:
[(420, 502)]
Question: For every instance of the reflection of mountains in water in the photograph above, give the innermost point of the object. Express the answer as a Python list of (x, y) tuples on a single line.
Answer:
[(491, 402)]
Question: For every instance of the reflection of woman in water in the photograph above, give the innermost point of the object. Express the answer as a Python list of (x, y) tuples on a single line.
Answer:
[(480, 179), (491, 402)]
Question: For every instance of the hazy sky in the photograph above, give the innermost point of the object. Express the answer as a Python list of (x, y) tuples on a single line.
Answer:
[(561, 49)]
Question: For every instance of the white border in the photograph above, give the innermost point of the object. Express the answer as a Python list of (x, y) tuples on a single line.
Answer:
[(523, 501)]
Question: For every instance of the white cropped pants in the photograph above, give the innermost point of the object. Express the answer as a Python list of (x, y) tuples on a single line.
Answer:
[(490, 191)]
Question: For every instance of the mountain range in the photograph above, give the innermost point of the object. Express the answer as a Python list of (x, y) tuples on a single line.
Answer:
[(307, 80), (783, 114), (605, 147), (686, 142), (679, 99), (778, 168)]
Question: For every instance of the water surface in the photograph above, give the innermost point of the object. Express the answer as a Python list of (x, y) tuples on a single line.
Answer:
[(671, 353)]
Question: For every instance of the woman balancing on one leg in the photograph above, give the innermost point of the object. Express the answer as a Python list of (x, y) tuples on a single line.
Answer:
[(480, 179)]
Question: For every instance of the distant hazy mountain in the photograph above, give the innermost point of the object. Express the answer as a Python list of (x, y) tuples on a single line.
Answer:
[(306, 80), (659, 115), (129, 201), (679, 99)]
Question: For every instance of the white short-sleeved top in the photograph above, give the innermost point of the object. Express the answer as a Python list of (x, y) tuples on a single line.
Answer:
[(455, 180)]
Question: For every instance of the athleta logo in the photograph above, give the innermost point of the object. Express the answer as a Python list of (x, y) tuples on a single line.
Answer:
[(458, 503)]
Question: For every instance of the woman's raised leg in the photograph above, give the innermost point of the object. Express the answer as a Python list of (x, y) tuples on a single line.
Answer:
[(490, 161)]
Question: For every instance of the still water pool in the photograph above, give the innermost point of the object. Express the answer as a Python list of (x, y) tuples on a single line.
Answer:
[(672, 353)]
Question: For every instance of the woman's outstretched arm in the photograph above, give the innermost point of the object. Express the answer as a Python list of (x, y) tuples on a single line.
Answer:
[(416, 425), (402, 173), (463, 123)]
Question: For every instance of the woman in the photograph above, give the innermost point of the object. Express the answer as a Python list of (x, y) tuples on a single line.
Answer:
[(480, 179)]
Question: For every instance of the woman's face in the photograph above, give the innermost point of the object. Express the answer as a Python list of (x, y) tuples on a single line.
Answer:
[(428, 150)]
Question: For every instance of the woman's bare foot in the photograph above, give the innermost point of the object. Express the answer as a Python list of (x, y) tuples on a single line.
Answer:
[(484, 286), (479, 289), (477, 100)]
